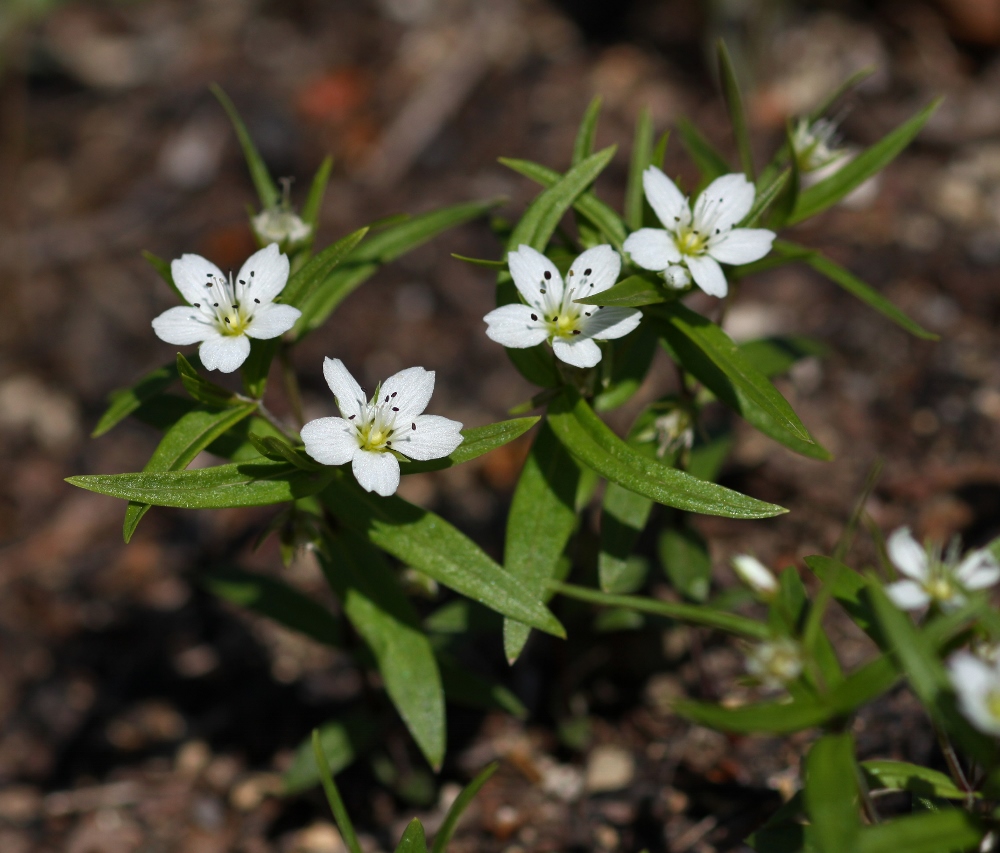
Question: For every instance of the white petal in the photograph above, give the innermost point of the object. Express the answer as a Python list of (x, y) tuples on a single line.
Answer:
[(265, 273), (604, 264), (182, 325), (270, 320), (978, 570), (409, 391), (376, 472), (755, 574), (513, 326), (906, 555), (907, 595), (528, 268), (433, 437), (224, 353), (724, 202), (351, 400), (668, 202), (652, 249), (330, 441), (974, 681), (191, 274), (741, 245), (708, 275), (610, 322), (580, 351)]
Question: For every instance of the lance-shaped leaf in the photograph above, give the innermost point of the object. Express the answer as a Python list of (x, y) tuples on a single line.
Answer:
[(182, 442), (642, 156), (375, 605), (948, 829), (317, 189), (831, 793), (333, 796), (126, 400), (266, 190), (303, 284), (632, 292), (461, 803), (737, 112), (903, 776), (776, 355), (711, 164), (201, 389), (274, 599), (341, 741), (541, 521), (590, 440), (710, 355), (431, 545), (583, 145), (869, 162), (413, 839), (476, 441), (685, 559), (254, 483)]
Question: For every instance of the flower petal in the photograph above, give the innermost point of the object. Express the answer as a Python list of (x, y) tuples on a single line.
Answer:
[(978, 570), (907, 595), (270, 320), (409, 391), (741, 245), (610, 322), (906, 555), (667, 201), (513, 326), (652, 249), (580, 351), (974, 682), (528, 268), (183, 325), (723, 203), (351, 400), (265, 273), (433, 437), (191, 274), (330, 441), (594, 271), (707, 274), (376, 472), (224, 353)]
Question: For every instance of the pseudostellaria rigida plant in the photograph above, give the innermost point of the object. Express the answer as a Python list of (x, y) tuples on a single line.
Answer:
[(581, 313)]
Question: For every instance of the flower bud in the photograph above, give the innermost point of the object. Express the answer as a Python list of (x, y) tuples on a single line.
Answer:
[(755, 575)]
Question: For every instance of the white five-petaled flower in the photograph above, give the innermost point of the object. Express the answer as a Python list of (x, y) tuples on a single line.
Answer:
[(818, 156), (700, 239), (933, 578), (776, 662), (369, 430), (755, 575), (281, 226), (977, 685), (551, 314), (223, 315)]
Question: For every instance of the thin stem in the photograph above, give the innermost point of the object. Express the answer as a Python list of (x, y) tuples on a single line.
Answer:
[(954, 766), (268, 416), (291, 385), (867, 803)]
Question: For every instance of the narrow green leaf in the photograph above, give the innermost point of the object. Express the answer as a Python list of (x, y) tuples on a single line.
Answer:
[(541, 521), (340, 284), (413, 840), (314, 201), (342, 741), (383, 616), (480, 262), (869, 162), (461, 803), (711, 164), (590, 440), (266, 189), (317, 271), (476, 442), (642, 156), (274, 599), (429, 544), (684, 557), (852, 82), (201, 389), (903, 776), (737, 112), (660, 152), (163, 268), (949, 829), (765, 197), (849, 589), (693, 614), (831, 790), (333, 796), (126, 400), (632, 292), (278, 449), (583, 145), (239, 484)]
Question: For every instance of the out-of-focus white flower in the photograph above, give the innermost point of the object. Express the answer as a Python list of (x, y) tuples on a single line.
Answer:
[(818, 156), (776, 662), (277, 225), (755, 575), (932, 578), (223, 314), (977, 685), (369, 430), (674, 431), (551, 314), (699, 239)]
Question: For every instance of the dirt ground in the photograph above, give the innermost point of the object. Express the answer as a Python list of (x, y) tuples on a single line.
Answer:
[(137, 712)]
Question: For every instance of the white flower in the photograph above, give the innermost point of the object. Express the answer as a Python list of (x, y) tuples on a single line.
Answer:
[(702, 239), (755, 575), (818, 157), (775, 663), (277, 225), (223, 314), (369, 430), (977, 685), (551, 314), (932, 578)]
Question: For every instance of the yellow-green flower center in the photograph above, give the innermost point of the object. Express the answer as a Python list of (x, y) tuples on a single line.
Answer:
[(371, 438), (940, 589), (235, 322), (690, 242)]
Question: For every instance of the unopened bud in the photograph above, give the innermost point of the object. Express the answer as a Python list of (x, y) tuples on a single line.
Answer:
[(755, 575)]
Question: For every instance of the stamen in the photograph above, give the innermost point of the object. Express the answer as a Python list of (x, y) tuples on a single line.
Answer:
[(586, 313), (395, 408), (227, 321), (251, 273), (534, 316), (413, 426), (242, 281), (587, 271), (548, 275), (394, 393), (197, 305), (541, 290), (215, 304), (386, 399), (576, 331), (257, 301), (352, 417)]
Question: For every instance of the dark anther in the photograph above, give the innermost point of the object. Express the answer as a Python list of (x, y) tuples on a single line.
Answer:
[(251, 273), (413, 426), (586, 313), (576, 331), (394, 393), (571, 273), (235, 307), (541, 290), (386, 399), (548, 275), (352, 417), (587, 271), (677, 219), (388, 444), (227, 319), (216, 304), (718, 230), (242, 281), (257, 301), (197, 305), (534, 316), (395, 408)]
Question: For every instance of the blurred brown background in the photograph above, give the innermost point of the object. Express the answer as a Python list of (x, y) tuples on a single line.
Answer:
[(137, 713)]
